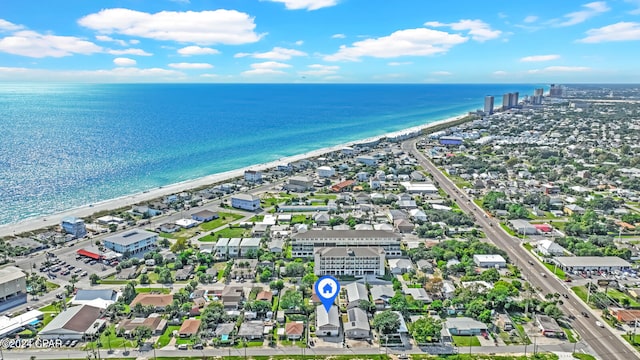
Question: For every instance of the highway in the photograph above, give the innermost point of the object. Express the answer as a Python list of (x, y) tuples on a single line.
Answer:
[(603, 341)]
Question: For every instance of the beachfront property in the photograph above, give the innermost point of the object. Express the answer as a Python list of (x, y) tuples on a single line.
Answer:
[(253, 176), (367, 160), (325, 171), (303, 244), (131, 242), (299, 184), (357, 261), (74, 226), (13, 287), (245, 202)]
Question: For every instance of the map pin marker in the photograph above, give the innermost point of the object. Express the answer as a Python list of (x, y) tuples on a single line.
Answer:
[(327, 288)]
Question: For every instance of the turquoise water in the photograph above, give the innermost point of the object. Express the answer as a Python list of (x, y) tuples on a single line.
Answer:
[(67, 145)]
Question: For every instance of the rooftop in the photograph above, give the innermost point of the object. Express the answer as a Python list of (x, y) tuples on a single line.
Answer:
[(130, 237)]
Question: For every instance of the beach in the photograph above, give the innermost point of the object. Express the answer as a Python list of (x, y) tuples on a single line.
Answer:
[(40, 222)]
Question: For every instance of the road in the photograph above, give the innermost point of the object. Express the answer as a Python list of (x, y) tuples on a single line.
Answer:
[(603, 341)]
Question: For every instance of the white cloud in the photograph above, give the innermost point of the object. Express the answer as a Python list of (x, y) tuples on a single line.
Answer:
[(441, 73), (210, 76), (410, 42), (134, 42), (591, 9), (266, 68), (299, 42), (399, 63), (197, 50), (636, 4), (530, 19), (277, 53), (32, 44), (204, 27), (119, 74), (110, 39), (537, 58), (320, 70), (477, 29), (499, 73), (338, 36), (138, 52), (9, 26), (124, 61), (190, 66), (622, 31), (556, 69), (306, 4)]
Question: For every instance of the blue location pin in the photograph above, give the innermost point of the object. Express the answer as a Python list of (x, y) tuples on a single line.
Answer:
[(327, 288)]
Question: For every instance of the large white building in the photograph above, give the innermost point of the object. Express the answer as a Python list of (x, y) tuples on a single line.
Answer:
[(253, 176), (325, 171), (303, 244), (245, 202), (13, 287), (488, 261), (357, 261), (132, 242), (74, 226)]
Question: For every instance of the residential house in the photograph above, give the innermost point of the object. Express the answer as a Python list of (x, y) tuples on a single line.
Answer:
[(294, 330), (464, 326), (549, 326), (573, 209), (205, 215), (356, 292), (327, 323), (248, 245), (155, 322), (251, 330), (400, 266), (158, 301), (189, 327), (418, 215), (404, 226), (74, 226), (232, 296), (245, 202), (253, 176), (381, 294), (425, 266), (224, 331), (550, 248), (222, 247), (325, 171), (265, 296), (357, 324), (233, 247)]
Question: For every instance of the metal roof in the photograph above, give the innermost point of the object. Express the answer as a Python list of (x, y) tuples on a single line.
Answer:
[(130, 237), (591, 261)]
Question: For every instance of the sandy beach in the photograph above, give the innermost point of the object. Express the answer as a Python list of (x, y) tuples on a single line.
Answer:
[(128, 200)]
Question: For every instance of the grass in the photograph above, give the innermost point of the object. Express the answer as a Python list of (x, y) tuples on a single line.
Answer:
[(462, 341), (233, 233), (633, 341), (558, 272), (146, 290), (112, 340), (618, 296), (51, 286), (569, 335), (508, 230), (581, 291), (298, 219), (582, 356), (164, 339), (224, 219), (249, 344), (48, 308), (208, 238)]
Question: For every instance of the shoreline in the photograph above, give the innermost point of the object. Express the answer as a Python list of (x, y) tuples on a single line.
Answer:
[(54, 219)]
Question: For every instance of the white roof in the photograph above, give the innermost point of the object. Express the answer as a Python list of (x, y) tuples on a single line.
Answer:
[(250, 242), (130, 237), (489, 258), (592, 261), (186, 222), (8, 325)]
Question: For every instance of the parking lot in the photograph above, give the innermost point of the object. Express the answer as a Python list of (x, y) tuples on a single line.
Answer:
[(68, 265)]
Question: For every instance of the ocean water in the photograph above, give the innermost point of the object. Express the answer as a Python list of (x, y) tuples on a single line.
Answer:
[(68, 145)]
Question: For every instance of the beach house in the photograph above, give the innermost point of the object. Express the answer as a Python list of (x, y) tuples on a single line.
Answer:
[(245, 202)]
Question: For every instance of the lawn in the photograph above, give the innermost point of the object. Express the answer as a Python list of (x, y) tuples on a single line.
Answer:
[(618, 295), (154, 290), (582, 356), (508, 230), (164, 339), (558, 272), (111, 341), (569, 333), (208, 238), (48, 308), (51, 286), (581, 291), (461, 341), (298, 219), (324, 196), (634, 342), (239, 232), (224, 219)]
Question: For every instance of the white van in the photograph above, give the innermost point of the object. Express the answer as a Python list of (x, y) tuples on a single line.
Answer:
[(599, 324)]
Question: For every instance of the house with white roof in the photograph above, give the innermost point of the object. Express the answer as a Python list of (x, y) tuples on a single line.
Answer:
[(327, 323), (245, 202), (550, 248), (100, 298), (221, 248), (356, 292), (489, 260)]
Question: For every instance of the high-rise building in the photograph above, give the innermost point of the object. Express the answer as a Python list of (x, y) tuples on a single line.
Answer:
[(513, 99), (505, 101), (488, 104), (538, 92), (555, 90), (536, 100)]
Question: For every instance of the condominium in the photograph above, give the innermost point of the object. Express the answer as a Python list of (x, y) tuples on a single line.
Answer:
[(304, 244), (488, 104), (74, 226), (359, 261), (131, 242)]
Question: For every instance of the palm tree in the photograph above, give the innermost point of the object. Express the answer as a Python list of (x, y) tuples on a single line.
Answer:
[(107, 333)]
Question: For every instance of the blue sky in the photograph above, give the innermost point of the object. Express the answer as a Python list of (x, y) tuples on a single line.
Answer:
[(404, 41)]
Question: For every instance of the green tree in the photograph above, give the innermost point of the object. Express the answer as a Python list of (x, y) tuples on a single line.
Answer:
[(294, 269), (94, 279), (553, 311), (141, 333), (144, 279), (164, 277), (179, 245), (291, 299), (426, 329), (276, 285), (367, 306), (387, 321)]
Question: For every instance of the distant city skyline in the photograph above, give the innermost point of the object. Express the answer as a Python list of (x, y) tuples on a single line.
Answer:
[(332, 41)]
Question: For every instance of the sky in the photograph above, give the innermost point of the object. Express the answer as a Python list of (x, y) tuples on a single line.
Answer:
[(320, 41)]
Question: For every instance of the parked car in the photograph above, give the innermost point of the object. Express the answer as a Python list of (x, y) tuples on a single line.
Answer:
[(183, 347)]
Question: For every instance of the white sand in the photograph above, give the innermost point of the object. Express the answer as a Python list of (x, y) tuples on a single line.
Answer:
[(128, 200)]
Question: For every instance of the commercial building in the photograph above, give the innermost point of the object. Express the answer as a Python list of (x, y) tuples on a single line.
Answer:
[(598, 263), (131, 242), (101, 298), (245, 202), (9, 326), (450, 140), (489, 261), (549, 327), (75, 323), (13, 287), (338, 261), (303, 244), (488, 104), (523, 227), (74, 226)]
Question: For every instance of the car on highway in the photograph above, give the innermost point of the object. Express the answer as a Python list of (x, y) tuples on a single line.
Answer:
[(599, 324), (584, 313), (565, 296)]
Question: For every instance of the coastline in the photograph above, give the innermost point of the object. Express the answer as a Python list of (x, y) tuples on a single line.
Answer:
[(54, 219)]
